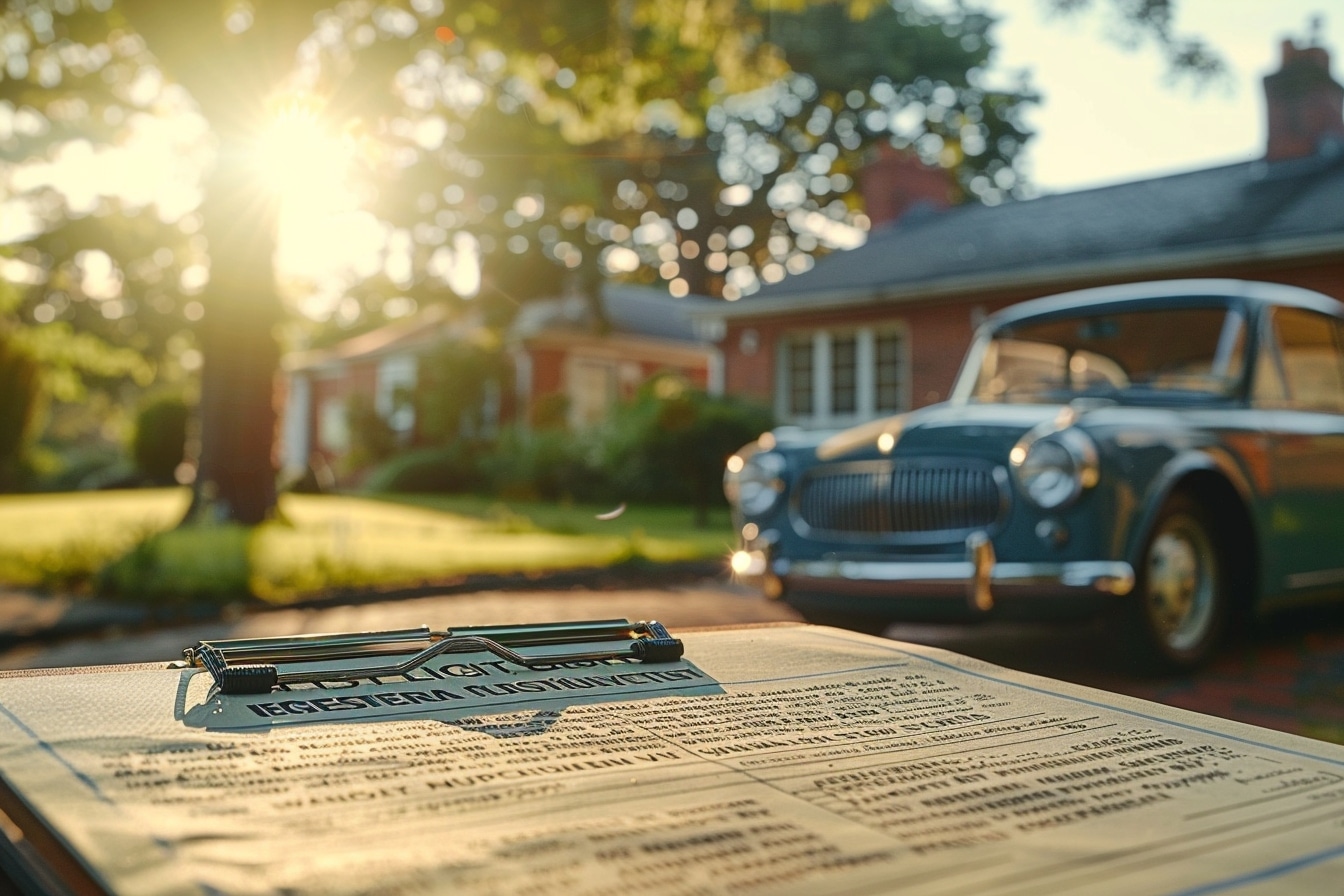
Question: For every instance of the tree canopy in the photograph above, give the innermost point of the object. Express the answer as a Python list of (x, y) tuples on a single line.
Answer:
[(491, 151)]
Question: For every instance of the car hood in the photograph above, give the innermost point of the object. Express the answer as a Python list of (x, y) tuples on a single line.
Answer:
[(943, 426)]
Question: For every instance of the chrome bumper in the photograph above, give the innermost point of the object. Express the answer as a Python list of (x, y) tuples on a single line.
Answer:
[(979, 579)]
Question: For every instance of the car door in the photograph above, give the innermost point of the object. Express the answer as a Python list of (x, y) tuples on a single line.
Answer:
[(1299, 383)]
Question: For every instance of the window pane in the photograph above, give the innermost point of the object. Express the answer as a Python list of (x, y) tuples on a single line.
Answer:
[(844, 374), (333, 427), (887, 382), (592, 393), (1197, 351), (799, 363), (1311, 360)]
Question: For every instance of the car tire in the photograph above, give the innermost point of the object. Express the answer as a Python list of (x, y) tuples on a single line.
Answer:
[(1178, 610)]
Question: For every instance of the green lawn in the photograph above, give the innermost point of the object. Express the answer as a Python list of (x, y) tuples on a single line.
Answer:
[(57, 540), (323, 542), (674, 524)]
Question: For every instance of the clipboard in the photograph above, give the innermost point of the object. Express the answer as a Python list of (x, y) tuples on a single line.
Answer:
[(256, 665), (34, 858), (821, 761)]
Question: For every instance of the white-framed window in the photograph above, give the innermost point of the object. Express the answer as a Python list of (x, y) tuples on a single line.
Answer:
[(592, 391), (333, 428), (842, 376), (396, 379)]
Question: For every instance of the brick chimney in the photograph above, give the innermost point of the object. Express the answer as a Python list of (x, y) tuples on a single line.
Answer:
[(1303, 103), (897, 182)]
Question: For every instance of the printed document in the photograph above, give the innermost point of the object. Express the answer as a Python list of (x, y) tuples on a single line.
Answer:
[(785, 760)]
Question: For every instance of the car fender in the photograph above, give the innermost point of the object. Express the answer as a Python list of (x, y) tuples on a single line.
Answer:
[(1174, 473)]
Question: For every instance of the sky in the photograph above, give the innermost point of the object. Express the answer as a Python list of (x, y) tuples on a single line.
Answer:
[(1109, 114)]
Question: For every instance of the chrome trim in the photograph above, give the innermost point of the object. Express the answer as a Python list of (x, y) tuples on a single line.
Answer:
[(1078, 445), (930, 572), (1318, 579), (979, 592), (884, 470), (894, 578)]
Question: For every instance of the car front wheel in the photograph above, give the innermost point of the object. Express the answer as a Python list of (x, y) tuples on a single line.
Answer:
[(1178, 611)]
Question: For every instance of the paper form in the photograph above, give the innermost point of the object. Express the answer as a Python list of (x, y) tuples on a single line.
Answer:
[(804, 760)]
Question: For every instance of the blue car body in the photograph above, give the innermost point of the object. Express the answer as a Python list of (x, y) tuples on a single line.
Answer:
[(1174, 450)]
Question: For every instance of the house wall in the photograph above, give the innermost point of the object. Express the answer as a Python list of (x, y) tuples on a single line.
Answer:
[(937, 335), (548, 370), (939, 332), (581, 366), (331, 392), (1327, 277)]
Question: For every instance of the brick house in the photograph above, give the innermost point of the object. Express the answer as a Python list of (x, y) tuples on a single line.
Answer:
[(558, 356), (317, 385), (559, 351), (882, 328)]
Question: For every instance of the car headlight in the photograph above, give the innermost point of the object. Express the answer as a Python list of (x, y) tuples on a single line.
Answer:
[(754, 483), (1055, 468)]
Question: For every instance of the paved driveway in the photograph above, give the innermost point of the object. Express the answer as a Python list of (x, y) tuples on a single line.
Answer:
[(704, 603), (1290, 676)]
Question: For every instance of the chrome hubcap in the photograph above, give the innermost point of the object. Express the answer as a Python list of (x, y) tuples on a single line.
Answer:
[(1181, 583)]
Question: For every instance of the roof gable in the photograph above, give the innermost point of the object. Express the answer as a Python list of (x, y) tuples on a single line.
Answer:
[(630, 309), (1251, 209), (634, 311)]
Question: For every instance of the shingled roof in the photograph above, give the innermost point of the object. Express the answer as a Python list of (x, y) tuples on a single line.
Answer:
[(1291, 209), (630, 309)]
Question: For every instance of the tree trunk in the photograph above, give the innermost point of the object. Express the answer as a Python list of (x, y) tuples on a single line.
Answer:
[(231, 73), (235, 478)]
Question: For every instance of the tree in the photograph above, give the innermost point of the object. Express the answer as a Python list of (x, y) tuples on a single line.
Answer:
[(19, 396), (713, 142), (1150, 21), (79, 255), (726, 168)]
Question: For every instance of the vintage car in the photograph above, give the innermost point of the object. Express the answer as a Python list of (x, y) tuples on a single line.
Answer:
[(1172, 452)]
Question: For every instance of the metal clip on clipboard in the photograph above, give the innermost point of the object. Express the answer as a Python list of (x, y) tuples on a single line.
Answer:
[(252, 665)]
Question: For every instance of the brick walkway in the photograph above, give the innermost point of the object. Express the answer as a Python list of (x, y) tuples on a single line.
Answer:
[(1297, 687), (1288, 676)]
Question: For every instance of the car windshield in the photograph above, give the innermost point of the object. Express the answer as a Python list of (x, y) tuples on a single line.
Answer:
[(1139, 353)]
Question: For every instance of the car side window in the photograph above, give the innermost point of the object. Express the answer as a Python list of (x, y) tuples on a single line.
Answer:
[(1308, 373)]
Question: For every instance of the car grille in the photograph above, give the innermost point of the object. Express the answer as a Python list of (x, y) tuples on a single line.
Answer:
[(881, 498)]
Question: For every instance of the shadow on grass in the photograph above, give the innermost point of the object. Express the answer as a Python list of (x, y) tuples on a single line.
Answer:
[(331, 546)]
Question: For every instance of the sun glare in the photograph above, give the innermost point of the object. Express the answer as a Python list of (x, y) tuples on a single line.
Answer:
[(299, 159), (326, 239), (323, 233)]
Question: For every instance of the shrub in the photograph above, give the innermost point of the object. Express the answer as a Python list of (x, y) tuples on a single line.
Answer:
[(550, 411), (372, 438), (75, 468), (159, 444), (450, 469), (670, 444), (454, 382), (550, 464)]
